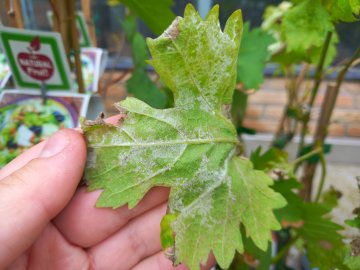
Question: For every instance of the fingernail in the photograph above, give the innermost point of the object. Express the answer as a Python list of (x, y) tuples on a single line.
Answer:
[(55, 144)]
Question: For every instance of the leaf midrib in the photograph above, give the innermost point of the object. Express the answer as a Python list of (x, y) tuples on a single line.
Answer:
[(172, 142)]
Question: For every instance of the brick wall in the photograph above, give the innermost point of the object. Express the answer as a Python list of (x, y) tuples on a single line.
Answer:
[(266, 106)]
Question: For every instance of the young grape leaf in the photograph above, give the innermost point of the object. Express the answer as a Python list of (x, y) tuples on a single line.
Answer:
[(305, 25), (286, 22), (140, 85), (190, 148), (157, 14), (253, 55), (355, 7), (343, 10)]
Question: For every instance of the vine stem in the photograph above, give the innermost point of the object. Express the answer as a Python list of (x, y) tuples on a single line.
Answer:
[(285, 249), (323, 175), (312, 153), (318, 80), (322, 126)]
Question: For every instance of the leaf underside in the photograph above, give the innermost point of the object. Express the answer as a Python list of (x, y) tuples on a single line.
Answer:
[(189, 148)]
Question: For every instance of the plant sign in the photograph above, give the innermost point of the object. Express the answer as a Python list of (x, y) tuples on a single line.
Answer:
[(93, 61), (191, 148), (36, 58), (81, 28)]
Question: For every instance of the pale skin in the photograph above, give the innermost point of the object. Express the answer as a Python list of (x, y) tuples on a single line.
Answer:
[(48, 222)]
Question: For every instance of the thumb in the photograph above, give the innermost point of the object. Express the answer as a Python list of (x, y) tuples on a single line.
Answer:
[(32, 195)]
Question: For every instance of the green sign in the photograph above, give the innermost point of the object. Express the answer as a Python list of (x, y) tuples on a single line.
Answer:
[(36, 58)]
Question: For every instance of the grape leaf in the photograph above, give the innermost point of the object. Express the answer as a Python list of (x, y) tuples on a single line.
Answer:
[(314, 53), (140, 85), (355, 7), (284, 53), (305, 25), (253, 55), (143, 88), (352, 256), (355, 222), (343, 10), (190, 148), (318, 233), (156, 14), (323, 256)]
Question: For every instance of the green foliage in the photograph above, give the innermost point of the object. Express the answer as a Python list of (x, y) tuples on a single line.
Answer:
[(307, 220), (268, 160), (352, 258), (305, 25), (190, 148), (355, 7), (140, 85), (343, 10), (238, 109), (325, 256), (253, 55), (319, 234), (355, 222), (253, 256), (300, 30), (156, 14)]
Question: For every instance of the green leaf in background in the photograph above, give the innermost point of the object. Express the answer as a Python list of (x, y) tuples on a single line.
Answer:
[(355, 7), (189, 148), (343, 10), (318, 227), (319, 234), (273, 158), (253, 256), (355, 222), (278, 26), (143, 88), (352, 255), (291, 214), (325, 256), (314, 53), (330, 198), (140, 84), (305, 26), (253, 55), (156, 14), (238, 108)]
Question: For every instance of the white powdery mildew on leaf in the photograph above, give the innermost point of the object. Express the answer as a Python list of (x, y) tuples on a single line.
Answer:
[(189, 148)]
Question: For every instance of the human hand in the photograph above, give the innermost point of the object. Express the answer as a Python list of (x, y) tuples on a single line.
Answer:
[(46, 222)]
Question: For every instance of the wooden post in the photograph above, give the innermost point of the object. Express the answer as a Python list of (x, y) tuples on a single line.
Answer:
[(65, 22), (86, 8), (74, 44), (14, 12)]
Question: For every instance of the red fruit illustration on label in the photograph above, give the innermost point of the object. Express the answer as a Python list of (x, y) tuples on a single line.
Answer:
[(35, 44), (36, 65)]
